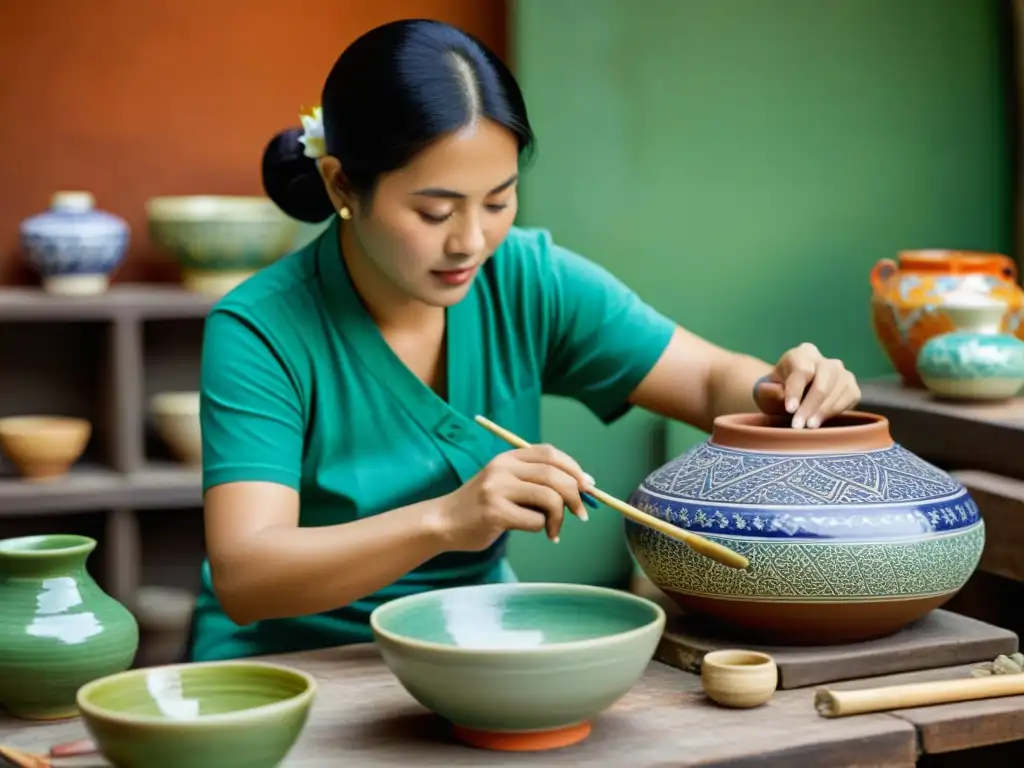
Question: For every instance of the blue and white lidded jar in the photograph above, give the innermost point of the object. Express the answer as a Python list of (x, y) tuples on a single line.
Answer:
[(73, 246)]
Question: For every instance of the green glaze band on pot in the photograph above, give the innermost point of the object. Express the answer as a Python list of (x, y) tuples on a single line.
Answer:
[(58, 629)]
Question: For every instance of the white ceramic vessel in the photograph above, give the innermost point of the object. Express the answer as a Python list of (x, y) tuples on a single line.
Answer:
[(73, 246)]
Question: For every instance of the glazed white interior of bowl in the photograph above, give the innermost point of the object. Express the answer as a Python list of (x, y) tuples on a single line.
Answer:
[(195, 208), (184, 403), (40, 425), (196, 694), (514, 617)]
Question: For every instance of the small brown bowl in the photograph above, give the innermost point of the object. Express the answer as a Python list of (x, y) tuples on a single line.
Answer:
[(739, 679), (43, 447)]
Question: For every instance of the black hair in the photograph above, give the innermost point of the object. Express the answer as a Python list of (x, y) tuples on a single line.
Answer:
[(393, 92)]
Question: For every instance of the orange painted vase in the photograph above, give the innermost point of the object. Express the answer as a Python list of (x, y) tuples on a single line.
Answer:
[(905, 296)]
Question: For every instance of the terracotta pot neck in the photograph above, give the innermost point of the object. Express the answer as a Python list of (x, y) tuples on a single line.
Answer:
[(851, 432)]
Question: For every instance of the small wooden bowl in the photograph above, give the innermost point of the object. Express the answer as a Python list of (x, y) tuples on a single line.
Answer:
[(739, 679), (43, 447)]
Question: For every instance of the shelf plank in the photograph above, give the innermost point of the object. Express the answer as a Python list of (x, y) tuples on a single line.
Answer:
[(166, 485), (78, 489), (88, 488), (982, 436), (127, 300)]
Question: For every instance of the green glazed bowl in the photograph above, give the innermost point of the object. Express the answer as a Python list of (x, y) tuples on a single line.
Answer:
[(221, 714), (518, 667), (218, 240)]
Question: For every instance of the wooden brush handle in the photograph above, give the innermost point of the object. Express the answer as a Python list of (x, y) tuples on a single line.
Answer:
[(831, 703), (695, 541)]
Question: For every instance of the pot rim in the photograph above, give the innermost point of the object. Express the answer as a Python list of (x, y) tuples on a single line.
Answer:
[(849, 432)]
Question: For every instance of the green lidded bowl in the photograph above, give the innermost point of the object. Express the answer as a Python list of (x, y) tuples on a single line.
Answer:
[(221, 714), (518, 667), (219, 240)]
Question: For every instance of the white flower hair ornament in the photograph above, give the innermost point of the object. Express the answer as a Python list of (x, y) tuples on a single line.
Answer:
[(312, 137)]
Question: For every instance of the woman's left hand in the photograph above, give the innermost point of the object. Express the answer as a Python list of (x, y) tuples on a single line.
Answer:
[(808, 385)]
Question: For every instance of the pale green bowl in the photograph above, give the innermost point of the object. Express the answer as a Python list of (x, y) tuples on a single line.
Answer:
[(220, 238), (519, 666), (222, 714)]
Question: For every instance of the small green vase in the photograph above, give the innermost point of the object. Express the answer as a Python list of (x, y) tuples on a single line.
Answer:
[(58, 629)]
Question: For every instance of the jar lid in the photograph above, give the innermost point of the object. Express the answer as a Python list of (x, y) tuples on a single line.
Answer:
[(73, 202)]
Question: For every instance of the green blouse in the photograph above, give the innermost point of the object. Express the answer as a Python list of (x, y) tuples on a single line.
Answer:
[(300, 388)]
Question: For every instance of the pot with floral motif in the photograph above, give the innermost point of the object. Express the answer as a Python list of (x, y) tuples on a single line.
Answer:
[(73, 246), (906, 297)]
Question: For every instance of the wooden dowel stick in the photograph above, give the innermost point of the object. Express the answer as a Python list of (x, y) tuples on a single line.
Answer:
[(830, 703)]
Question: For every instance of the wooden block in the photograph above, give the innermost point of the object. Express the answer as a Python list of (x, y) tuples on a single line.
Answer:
[(941, 639)]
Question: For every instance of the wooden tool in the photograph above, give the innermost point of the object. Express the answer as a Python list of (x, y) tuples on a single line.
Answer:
[(694, 541), (831, 703), (74, 754)]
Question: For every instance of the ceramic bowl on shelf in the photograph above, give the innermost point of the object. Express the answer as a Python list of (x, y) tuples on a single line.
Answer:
[(518, 667), (176, 418), (73, 246), (205, 715), (220, 240), (739, 679), (43, 447)]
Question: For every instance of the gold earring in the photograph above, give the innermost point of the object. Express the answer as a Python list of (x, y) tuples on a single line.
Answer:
[(345, 213)]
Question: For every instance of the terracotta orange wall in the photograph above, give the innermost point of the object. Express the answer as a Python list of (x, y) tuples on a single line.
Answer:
[(131, 99)]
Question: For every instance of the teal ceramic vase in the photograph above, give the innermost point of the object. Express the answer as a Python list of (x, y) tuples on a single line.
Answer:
[(977, 361), (58, 629)]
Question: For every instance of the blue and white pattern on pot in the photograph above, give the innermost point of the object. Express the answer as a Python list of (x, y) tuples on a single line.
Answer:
[(878, 495), (73, 238)]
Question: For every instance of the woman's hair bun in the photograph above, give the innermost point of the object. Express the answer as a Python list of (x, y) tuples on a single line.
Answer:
[(292, 180)]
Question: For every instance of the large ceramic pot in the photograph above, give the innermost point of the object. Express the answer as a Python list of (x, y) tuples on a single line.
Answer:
[(73, 246), (849, 535), (58, 629), (906, 296)]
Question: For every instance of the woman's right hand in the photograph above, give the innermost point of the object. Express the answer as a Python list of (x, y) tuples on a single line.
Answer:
[(526, 489)]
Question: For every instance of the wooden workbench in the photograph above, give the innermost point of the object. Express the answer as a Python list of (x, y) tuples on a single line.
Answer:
[(363, 717)]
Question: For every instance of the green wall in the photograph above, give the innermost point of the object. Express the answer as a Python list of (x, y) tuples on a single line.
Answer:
[(742, 164)]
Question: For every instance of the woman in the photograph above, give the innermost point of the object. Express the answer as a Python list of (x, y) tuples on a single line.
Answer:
[(342, 467)]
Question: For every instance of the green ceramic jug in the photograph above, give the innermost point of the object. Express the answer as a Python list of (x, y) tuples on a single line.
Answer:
[(58, 629)]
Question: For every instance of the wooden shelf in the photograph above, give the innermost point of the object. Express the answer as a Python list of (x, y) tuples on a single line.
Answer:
[(129, 301), (953, 434), (88, 488), (102, 358)]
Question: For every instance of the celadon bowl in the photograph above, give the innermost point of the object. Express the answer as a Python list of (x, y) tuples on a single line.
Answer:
[(518, 667), (220, 240), (221, 714)]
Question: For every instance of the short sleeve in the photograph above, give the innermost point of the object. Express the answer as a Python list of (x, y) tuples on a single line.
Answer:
[(250, 409), (603, 338)]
